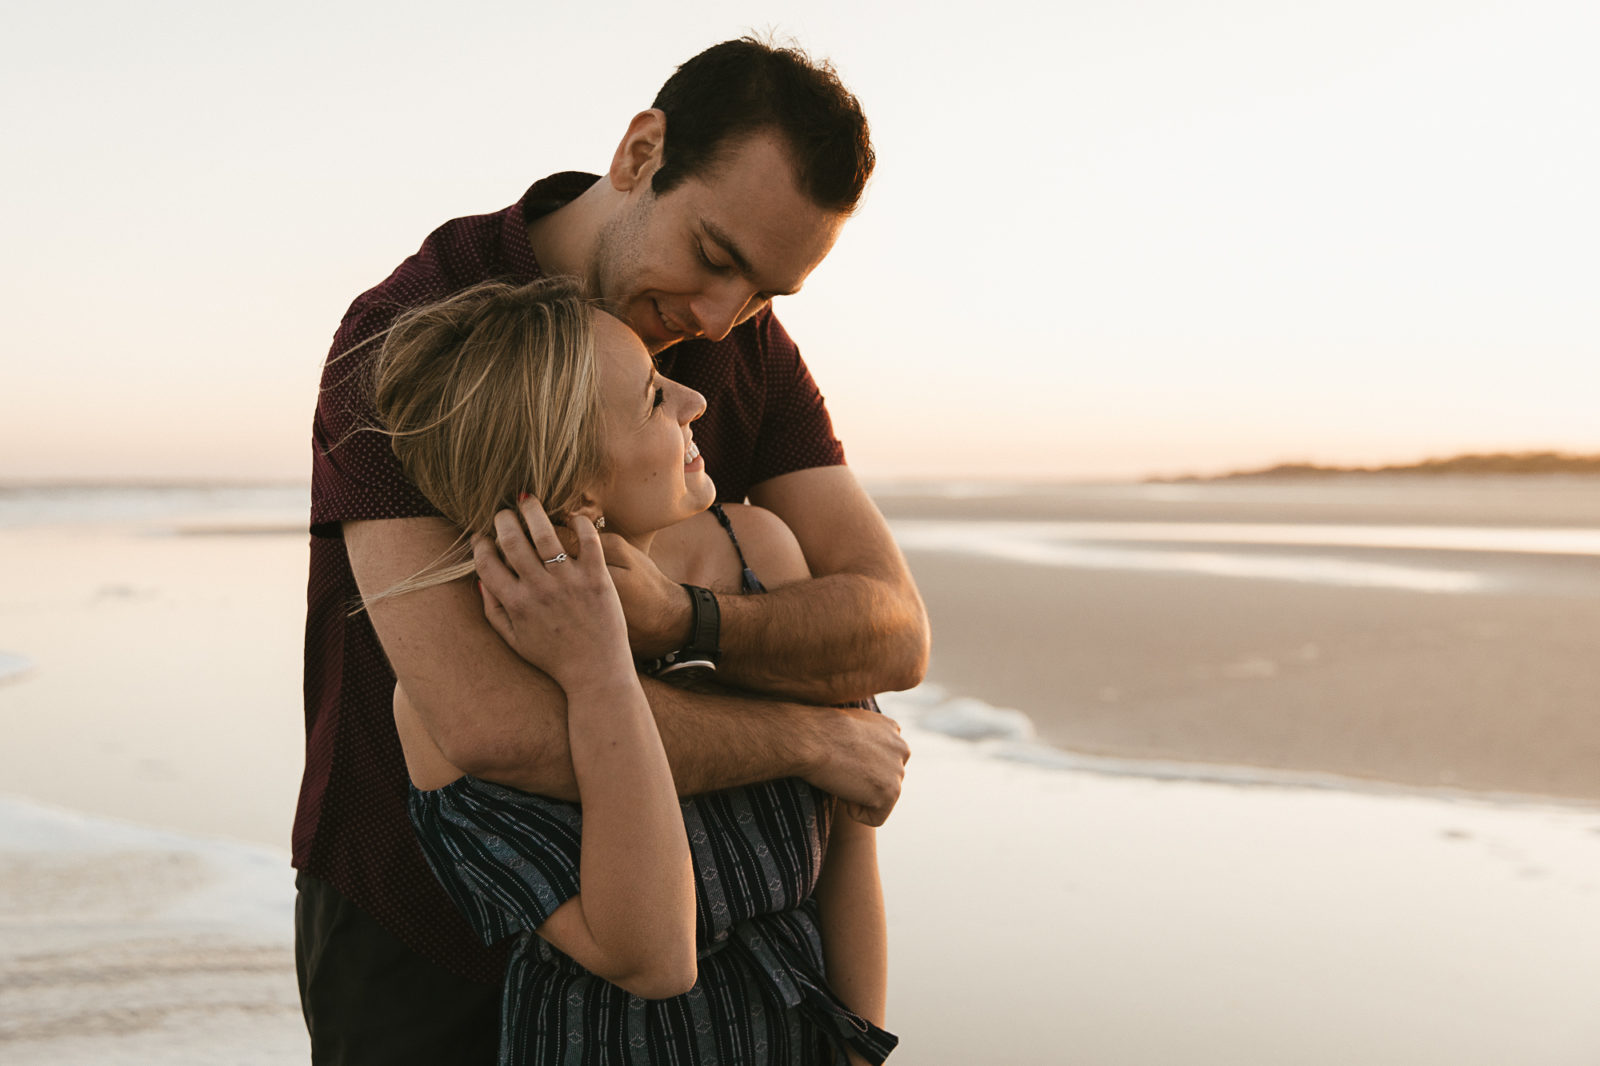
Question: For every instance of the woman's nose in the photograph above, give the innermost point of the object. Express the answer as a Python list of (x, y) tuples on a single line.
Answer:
[(694, 404)]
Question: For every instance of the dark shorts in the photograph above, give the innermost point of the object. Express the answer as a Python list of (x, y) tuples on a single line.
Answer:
[(370, 999)]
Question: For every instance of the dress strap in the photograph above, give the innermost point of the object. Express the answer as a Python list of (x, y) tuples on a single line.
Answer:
[(750, 583)]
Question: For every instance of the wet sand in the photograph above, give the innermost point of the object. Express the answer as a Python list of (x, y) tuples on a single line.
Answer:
[(1495, 692), (1036, 916), (1491, 690)]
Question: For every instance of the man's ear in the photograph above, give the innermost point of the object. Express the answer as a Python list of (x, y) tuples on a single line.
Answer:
[(640, 153)]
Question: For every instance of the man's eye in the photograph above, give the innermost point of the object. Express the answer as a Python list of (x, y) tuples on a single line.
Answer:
[(706, 259)]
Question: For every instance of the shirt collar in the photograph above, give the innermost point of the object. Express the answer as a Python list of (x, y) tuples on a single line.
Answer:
[(542, 197)]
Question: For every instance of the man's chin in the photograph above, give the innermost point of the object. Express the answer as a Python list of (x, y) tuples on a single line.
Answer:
[(652, 337), (655, 347)]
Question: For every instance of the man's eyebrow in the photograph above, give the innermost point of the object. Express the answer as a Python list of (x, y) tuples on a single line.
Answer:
[(740, 262)]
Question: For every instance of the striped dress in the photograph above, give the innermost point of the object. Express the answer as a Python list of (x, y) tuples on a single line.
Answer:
[(509, 858)]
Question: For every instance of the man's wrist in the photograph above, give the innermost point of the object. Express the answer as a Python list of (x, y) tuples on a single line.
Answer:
[(702, 651), (805, 742), (682, 628)]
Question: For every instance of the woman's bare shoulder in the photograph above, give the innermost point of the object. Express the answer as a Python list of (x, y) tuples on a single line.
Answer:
[(697, 551), (769, 545)]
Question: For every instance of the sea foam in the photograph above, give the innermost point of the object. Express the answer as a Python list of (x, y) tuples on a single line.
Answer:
[(1102, 546), (12, 665)]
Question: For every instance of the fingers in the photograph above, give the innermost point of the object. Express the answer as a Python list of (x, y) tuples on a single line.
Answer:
[(873, 816), (527, 541), (493, 575), (619, 552), (523, 556), (581, 529), (539, 528)]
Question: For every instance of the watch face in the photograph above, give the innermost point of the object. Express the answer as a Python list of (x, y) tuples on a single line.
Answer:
[(685, 664), (695, 671), (681, 662)]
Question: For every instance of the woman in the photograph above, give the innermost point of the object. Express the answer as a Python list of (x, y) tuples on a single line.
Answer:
[(648, 930)]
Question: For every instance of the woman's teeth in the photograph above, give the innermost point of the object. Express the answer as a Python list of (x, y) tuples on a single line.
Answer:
[(692, 454)]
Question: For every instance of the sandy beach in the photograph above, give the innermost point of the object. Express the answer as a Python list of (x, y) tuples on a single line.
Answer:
[(1491, 692), (1182, 835), (1467, 668)]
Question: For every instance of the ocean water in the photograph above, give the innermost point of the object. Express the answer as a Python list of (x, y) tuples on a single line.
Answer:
[(244, 506), (1105, 546), (1535, 540), (13, 665), (202, 525)]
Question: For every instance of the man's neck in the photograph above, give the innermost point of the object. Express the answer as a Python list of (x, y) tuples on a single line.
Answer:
[(563, 240)]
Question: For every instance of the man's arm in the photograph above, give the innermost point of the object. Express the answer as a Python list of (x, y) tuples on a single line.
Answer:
[(858, 627), (855, 629), (496, 717)]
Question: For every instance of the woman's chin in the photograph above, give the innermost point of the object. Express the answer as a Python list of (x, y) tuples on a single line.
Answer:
[(702, 490)]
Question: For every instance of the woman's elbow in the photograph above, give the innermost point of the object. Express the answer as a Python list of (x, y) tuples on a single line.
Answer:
[(661, 965), (510, 759), (664, 979)]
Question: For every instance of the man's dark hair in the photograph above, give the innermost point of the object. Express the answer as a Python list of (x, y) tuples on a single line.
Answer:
[(741, 87)]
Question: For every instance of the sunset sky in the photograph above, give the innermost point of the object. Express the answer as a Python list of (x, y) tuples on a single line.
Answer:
[(1105, 239)]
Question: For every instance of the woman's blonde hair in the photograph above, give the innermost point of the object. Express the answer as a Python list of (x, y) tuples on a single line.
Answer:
[(486, 395)]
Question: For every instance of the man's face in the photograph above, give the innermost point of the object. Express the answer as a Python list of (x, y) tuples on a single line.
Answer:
[(703, 257)]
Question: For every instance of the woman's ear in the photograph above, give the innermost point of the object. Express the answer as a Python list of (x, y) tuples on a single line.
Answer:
[(640, 153), (590, 508)]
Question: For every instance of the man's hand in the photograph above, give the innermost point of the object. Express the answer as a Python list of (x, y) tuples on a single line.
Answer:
[(657, 607), (862, 760)]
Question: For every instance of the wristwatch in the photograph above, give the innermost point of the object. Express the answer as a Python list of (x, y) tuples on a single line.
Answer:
[(704, 649)]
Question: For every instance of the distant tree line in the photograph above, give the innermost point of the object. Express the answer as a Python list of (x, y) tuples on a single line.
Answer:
[(1497, 463)]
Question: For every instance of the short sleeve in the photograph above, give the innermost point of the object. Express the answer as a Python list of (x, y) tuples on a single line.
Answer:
[(507, 858), (797, 432), (354, 472)]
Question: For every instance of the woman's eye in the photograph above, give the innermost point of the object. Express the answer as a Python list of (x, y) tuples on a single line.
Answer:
[(661, 398)]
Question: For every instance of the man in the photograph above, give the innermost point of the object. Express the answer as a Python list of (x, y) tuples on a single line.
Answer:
[(728, 192)]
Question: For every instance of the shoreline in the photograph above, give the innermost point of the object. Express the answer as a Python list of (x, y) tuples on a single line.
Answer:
[(992, 733)]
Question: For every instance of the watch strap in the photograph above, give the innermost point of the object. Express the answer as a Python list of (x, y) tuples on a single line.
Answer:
[(704, 649)]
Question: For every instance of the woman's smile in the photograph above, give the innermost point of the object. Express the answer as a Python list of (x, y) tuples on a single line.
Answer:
[(655, 474)]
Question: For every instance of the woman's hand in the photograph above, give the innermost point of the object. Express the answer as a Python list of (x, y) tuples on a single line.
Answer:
[(551, 597)]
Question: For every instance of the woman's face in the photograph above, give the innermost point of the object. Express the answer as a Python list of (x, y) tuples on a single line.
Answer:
[(655, 475)]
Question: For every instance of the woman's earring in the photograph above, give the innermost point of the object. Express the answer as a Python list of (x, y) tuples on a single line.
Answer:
[(600, 522)]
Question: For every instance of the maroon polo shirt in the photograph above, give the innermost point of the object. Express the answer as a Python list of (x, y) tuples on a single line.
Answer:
[(764, 417)]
